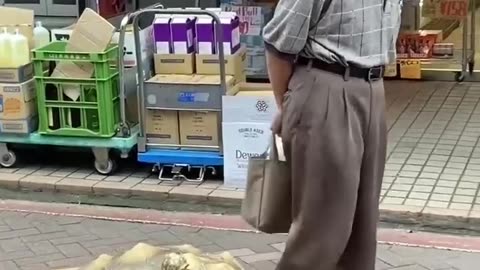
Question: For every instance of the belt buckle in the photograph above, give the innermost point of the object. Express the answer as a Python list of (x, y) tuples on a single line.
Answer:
[(375, 74)]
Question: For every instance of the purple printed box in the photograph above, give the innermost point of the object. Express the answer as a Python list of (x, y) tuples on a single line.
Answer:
[(183, 28), (205, 35), (162, 34), (231, 32)]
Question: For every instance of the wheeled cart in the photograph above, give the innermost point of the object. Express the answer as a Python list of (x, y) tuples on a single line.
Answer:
[(180, 162), (105, 147)]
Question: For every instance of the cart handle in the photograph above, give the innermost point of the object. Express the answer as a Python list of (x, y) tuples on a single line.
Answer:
[(121, 65), (138, 53)]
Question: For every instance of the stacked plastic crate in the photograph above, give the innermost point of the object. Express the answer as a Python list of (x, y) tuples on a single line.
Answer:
[(85, 107), (253, 16)]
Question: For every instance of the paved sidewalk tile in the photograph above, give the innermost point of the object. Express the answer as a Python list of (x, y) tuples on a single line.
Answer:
[(26, 243)]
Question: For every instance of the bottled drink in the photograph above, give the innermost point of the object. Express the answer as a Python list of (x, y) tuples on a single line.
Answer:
[(19, 50), (41, 35), (5, 51)]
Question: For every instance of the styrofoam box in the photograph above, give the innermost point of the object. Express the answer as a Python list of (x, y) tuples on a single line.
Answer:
[(240, 142), (249, 108)]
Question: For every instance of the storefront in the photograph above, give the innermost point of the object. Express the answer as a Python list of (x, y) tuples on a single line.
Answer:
[(440, 36)]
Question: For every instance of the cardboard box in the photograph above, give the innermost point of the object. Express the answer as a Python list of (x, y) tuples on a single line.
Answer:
[(234, 64), (162, 34), (205, 35), (16, 75), (162, 127), (22, 126), (249, 102), (21, 19), (91, 33), (174, 63), (129, 58), (240, 142), (191, 79), (183, 28), (198, 128), (17, 101), (231, 32)]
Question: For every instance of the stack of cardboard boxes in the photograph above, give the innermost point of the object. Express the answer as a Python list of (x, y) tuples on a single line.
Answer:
[(18, 107), (186, 52)]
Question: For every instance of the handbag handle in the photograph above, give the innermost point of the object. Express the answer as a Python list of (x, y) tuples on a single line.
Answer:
[(275, 149)]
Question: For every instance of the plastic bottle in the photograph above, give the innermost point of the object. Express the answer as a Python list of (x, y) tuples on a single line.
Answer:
[(19, 50), (5, 51), (41, 35)]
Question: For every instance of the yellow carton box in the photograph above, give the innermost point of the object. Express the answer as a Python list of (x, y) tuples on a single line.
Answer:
[(162, 127), (199, 128), (17, 100), (234, 64)]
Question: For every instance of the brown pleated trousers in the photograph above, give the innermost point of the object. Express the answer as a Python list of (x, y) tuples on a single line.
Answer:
[(334, 133)]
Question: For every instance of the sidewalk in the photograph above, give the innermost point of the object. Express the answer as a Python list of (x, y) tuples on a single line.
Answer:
[(32, 241), (432, 174)]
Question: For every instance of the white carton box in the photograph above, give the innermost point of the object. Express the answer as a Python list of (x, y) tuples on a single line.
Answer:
[(249, 107), (146, 42), (240, 142)]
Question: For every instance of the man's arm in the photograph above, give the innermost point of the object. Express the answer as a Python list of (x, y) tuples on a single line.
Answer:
[(285, 37), (280, 69)]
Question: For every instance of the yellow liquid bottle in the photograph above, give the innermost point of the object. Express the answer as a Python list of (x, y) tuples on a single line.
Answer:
[(19, 50), (5, 51)]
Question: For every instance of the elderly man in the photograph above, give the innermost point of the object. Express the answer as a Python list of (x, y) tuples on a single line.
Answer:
[(326, 61)]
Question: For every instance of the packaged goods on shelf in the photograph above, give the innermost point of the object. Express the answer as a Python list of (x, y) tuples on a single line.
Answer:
[(231, 32), (183, 28), (162, 34), (417, 45), (234, 64), (247, 116), (443, 50), (162, 127), (199, 128), (205, 35), (21, 19), (16, 75), (18, 107), (174, 63)]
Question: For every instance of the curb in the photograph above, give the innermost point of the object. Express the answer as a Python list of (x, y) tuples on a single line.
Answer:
[(187, 194)]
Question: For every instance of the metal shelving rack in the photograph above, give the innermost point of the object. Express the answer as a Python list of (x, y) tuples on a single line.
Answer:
[(168, 97)]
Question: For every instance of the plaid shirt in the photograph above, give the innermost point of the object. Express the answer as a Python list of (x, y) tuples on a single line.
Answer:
[(357, 32)]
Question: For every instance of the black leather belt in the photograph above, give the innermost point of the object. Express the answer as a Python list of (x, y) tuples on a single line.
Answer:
[(369, 74)]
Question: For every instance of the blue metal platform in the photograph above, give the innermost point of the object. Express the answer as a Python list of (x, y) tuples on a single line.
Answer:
[(195, 158)]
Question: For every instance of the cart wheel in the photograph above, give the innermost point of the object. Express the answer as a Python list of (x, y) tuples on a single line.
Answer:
[(106, 170), (471, 67), (459, 77), (125, 131), (8, 160)]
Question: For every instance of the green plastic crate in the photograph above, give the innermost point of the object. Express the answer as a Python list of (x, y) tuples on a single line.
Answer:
[(96, 112), (56, 52)]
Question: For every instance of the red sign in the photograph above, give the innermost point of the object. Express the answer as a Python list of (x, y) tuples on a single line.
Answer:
[(111, 8), (453, 9)]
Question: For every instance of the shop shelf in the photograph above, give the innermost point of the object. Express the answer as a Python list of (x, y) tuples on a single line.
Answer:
[(95, 113), (56, 52)]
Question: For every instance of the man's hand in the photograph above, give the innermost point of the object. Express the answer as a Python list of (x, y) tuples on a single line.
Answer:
[(277, 123)]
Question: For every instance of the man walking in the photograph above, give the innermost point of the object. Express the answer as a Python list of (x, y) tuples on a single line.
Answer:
[(326, 61)]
